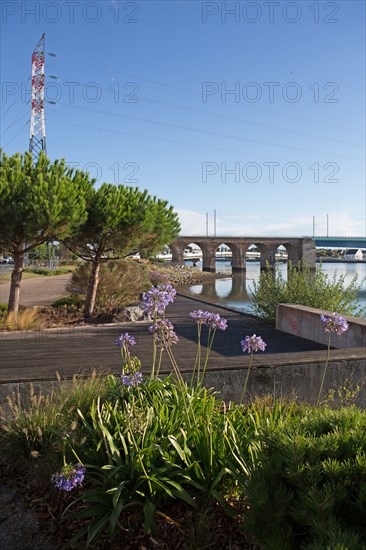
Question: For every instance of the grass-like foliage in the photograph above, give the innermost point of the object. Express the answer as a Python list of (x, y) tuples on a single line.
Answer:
[(26, 319), (309, 289), (154, 443), (34, 426), (307, 488)]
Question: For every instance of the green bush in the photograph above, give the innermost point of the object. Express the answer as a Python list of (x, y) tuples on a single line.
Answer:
[(305, 288), (47, 272), (3, 310), (307, 488), (121, 282), (72, 303)]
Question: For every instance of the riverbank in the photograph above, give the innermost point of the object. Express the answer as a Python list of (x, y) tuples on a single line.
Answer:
[(234, 290)]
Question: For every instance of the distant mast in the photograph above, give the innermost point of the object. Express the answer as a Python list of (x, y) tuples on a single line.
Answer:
[(37, 139)]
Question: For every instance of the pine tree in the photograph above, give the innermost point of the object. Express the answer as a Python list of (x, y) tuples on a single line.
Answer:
[(38, 202)]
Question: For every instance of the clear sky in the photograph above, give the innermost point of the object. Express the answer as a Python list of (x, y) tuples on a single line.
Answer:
[(255, 109)]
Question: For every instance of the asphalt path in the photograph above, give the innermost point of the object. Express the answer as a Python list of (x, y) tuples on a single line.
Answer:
[(37, 291)]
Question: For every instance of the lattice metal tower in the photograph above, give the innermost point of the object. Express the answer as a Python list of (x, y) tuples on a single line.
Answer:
[(37, 139)]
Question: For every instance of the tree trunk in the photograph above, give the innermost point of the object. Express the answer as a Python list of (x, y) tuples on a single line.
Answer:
[(92, 290), (16, 277)]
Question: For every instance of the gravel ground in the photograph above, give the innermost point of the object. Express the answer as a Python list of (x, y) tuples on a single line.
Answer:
[(20, 527)]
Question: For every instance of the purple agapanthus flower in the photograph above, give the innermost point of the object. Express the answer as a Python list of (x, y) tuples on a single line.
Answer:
[(158, 278), (125, 340), (252, 344), (213, 320), (155, 300), (163, 331), (334, 324), (132, 380), (70, 477), (199, 316)]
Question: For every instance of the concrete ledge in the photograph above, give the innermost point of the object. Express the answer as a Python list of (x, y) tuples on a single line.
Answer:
[(294, 380), (300, 382), (305, 322)]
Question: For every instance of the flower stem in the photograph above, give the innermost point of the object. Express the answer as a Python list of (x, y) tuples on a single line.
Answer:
[(197, 362), (325, 370), (246, 379), (210, 339), (159, 363), (152, 375)]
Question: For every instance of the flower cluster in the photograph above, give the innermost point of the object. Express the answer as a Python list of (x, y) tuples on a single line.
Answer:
[(213, 320), (163, 331), (158, 278), (125, 340), (155, 300), (70, 477), (132, 380), (334, 324), (252, 344)]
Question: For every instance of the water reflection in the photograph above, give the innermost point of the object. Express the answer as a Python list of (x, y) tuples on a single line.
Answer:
[(234, 291)]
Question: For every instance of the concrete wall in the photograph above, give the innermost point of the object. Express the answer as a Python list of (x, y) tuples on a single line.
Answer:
[(305, 322), (296, 380)]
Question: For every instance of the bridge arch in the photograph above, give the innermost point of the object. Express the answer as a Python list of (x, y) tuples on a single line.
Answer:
[(298, 249), (237, 254)]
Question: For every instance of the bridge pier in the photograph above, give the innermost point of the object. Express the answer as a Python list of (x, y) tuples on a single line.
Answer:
[(208, 257), (268, 258), (238, 260), (177, 251)]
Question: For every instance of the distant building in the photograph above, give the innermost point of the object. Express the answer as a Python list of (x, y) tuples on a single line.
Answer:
[(354, 254)]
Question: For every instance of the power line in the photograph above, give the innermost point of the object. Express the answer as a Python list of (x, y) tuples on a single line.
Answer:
[(165, 140), (17, 118), (143, 79), (26, 124), (15, 98), (167, 86), (205, 132), (219, 115)]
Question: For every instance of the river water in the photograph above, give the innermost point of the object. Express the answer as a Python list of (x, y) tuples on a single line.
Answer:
[(234, 290)]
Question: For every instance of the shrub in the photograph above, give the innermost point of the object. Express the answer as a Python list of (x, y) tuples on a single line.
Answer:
[(72, 303), (305, 288), (47, 272), (307, 488), (121, 282)]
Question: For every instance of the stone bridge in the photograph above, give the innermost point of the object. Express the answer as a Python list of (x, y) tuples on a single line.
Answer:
[(298, 250)]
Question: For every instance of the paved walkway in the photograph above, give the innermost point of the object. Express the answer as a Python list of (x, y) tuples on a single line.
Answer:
[(38, 291), (39, 355)]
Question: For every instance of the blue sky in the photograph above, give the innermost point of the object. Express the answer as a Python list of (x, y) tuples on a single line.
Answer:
[(139, 93)]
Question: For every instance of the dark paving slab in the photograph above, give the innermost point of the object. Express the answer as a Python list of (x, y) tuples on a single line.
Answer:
[(39, 355)]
